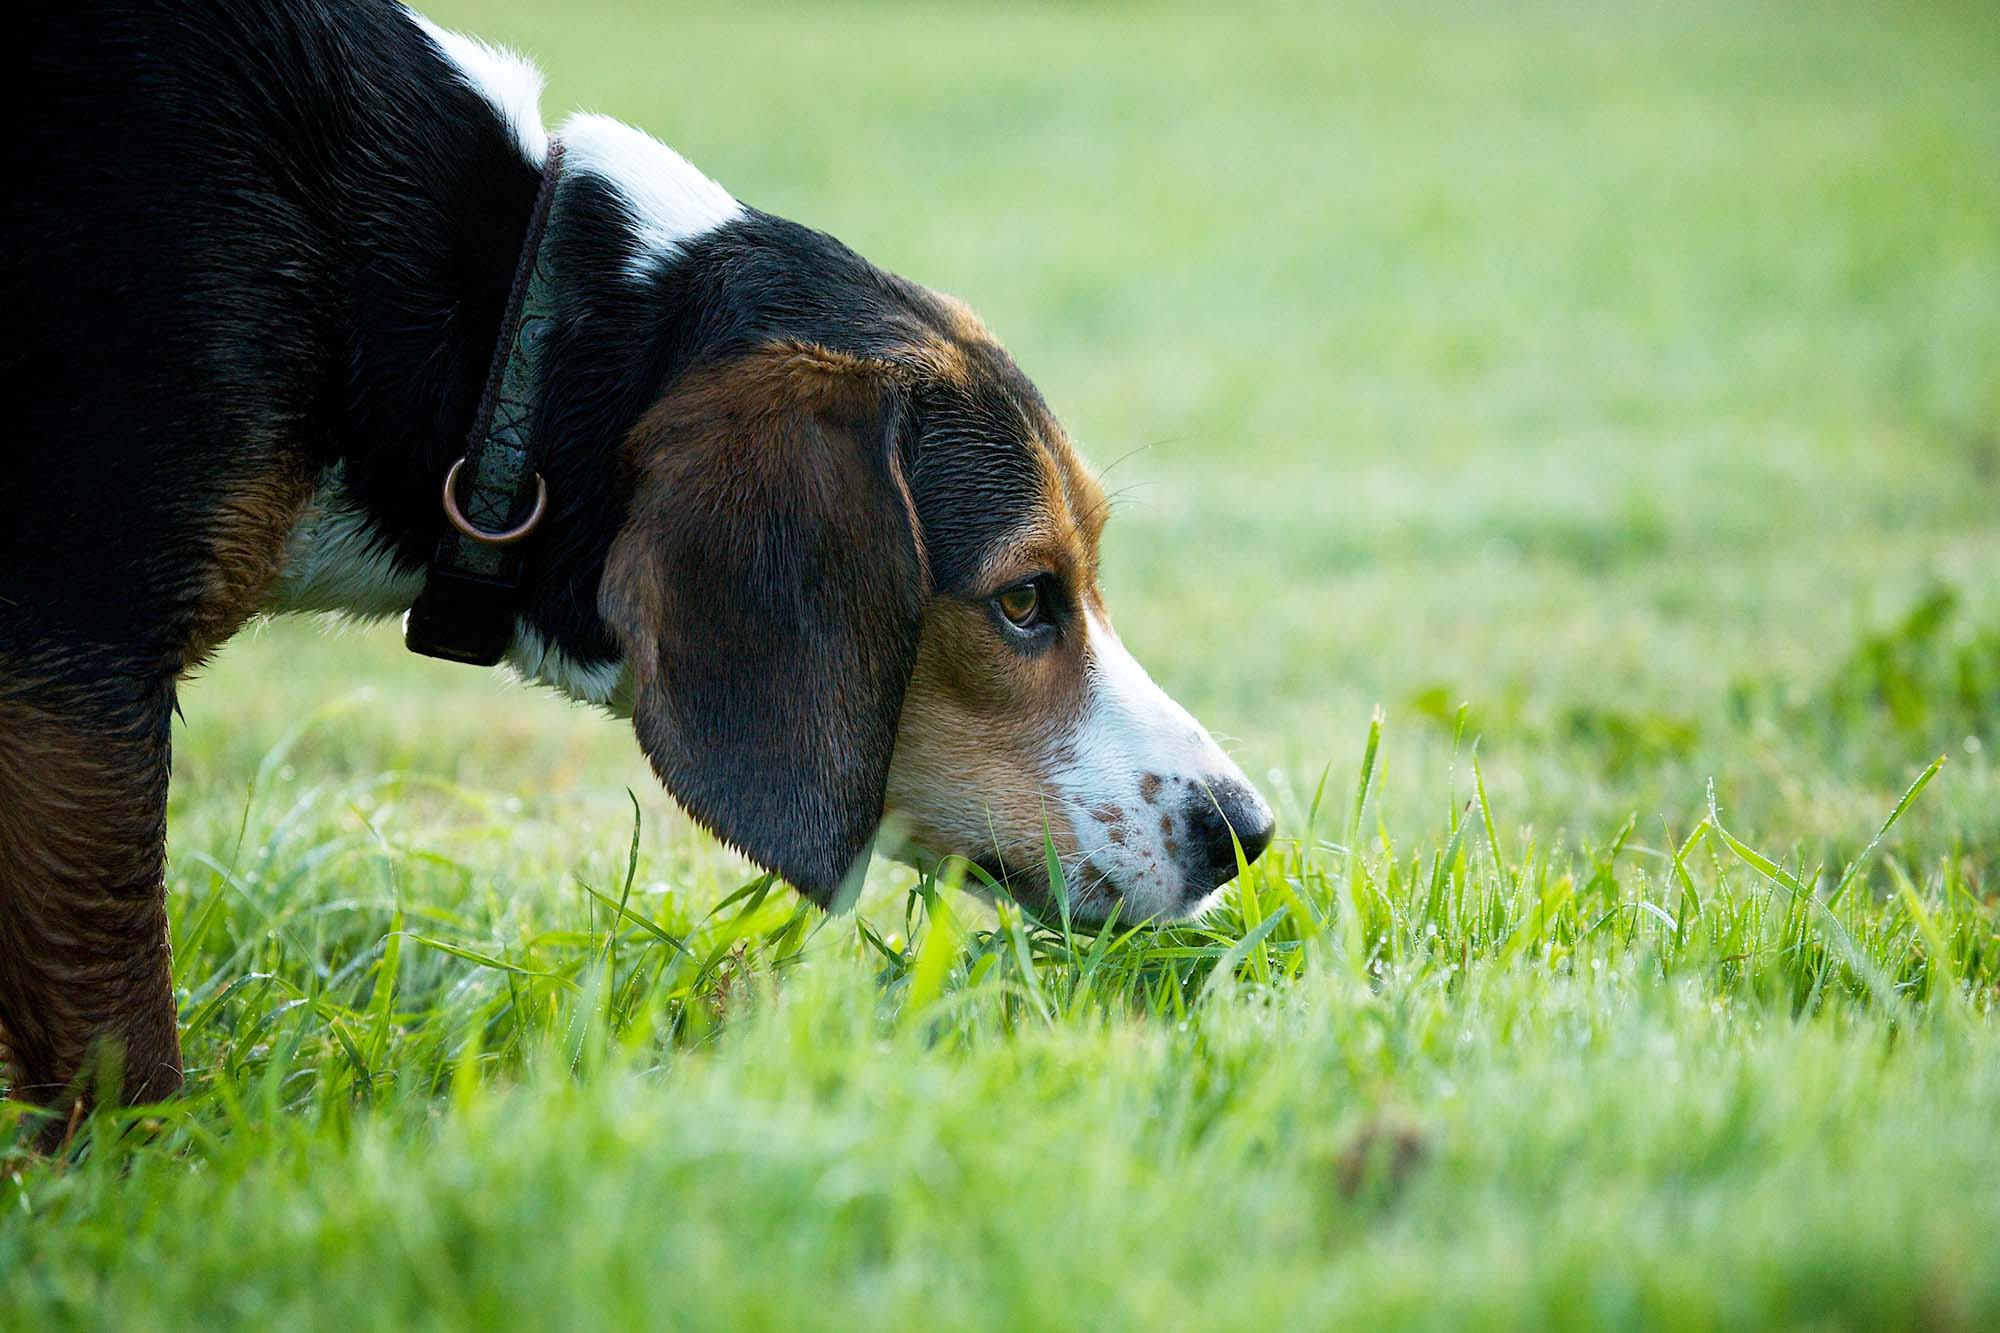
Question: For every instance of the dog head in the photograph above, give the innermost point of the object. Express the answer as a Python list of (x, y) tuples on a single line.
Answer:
[(858, 579)]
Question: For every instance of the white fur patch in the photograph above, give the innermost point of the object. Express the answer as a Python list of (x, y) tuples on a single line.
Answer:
[(671, 202), (510, 83), (337, 560), (536, 660)]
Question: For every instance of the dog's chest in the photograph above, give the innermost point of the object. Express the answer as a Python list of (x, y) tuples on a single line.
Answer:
[(338, 559)]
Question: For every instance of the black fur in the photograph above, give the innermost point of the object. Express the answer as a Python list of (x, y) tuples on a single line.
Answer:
[(232, 229)]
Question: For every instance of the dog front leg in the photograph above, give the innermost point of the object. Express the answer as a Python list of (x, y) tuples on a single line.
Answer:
[(84, 957)]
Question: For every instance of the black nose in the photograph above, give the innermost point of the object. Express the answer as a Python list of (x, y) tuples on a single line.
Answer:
[(1211, 816)]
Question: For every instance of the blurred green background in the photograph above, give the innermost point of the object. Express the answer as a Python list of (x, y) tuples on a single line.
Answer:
[(1627, 372)]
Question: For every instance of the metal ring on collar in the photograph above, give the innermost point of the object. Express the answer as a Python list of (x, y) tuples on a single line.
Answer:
[(511, 535)]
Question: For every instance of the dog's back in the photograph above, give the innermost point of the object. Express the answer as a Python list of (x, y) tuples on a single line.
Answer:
[(205, 243)]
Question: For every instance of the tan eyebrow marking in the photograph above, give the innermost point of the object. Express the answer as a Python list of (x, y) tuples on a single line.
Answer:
[(1092, 508)]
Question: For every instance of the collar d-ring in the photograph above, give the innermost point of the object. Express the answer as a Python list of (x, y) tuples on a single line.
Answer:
[(505, 537)]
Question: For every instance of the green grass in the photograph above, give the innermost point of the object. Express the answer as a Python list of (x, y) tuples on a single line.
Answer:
[(1622, 373)]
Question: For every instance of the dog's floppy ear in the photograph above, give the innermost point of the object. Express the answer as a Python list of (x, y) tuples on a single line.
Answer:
[(769, 587)]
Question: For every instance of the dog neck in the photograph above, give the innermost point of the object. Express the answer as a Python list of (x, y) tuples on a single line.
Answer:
[(495, 495), (420, 349)]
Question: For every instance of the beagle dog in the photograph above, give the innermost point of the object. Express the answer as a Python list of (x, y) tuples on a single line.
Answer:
[(299, 285)]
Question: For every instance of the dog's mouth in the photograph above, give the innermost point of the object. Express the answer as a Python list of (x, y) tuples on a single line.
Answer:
[(1083, 897), (1086, 898), (1091, 897)]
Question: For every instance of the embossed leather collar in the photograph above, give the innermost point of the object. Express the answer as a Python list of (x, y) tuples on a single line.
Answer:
[(494, 496)]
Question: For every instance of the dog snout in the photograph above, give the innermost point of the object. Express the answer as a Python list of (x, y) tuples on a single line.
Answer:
[(1213, 815)]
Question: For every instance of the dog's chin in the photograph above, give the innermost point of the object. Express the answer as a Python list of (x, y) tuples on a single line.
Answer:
[(1090, 906), (1104, 906)]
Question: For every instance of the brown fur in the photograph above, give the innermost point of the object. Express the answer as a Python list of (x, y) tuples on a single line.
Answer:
[(247, 549), (84, 953), (984, 727), (982, 720), (83, 929), (781, 431), (965, 326)]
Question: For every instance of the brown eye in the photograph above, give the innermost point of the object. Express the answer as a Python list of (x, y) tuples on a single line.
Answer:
[(1020, 605)]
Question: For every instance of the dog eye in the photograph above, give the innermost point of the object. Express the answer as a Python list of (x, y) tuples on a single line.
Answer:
[(1021, 604)]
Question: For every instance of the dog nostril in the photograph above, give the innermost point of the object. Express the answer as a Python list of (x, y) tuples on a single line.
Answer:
[(1256, 830), (1212, 820)]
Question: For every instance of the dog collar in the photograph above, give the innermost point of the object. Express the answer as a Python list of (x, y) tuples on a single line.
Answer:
[(493, 496)]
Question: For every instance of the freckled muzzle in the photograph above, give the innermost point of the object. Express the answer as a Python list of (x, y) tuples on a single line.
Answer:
[(1159, 855), (1196, 823)]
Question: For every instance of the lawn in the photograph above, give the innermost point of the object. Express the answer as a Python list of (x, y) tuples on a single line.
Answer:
[(1608, 395)]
